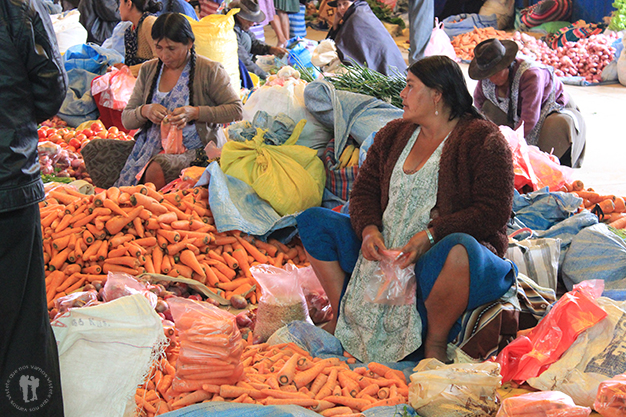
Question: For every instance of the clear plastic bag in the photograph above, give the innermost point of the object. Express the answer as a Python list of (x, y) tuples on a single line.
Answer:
[(542, 403), (460, 389), (390, 284), (120, 284), (282, 300), (171, 138), (75, 300), (611, 397), (210, 345), (317, 301)]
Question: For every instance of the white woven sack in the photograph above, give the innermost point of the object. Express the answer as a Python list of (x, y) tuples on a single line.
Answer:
[(537, 258), (105, 351)]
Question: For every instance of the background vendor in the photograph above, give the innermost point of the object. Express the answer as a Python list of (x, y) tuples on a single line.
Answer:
[(248, 45), (512, 91), (138, 42), (361, 37)]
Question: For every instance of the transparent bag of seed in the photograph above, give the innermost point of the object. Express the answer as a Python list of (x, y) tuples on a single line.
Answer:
[(282, 300)]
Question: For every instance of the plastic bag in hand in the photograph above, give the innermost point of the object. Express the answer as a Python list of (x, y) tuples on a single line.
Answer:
[(172, 138), (389, 284)]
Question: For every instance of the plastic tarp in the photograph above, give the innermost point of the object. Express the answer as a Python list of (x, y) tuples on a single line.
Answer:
[(596, 253), (542, 209), (236, 206), (349, 114)]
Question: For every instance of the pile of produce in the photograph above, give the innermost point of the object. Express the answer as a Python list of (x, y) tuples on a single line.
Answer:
[(137, 229), (585, 58), (282, 374), (609, 208), (359, 79)]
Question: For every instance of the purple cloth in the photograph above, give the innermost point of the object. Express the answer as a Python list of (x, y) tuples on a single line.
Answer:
[(534, 90), (363, 38)]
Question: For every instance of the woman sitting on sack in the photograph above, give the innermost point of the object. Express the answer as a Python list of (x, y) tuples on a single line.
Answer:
[(188, 91), (361, 37), (512, 91), (436, 185)]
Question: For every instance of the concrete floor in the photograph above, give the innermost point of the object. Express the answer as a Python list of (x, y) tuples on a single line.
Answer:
[(603, 106)]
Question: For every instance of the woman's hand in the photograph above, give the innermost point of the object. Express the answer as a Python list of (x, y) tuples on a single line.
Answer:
[(154, 112), (372, 244), (181, 116), (415, 247), (278, 51)]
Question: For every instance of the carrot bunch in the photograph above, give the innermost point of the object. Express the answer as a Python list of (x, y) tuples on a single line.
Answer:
[(611, 209), (210, 347), (465, 43), (138, 229), (286, 374)]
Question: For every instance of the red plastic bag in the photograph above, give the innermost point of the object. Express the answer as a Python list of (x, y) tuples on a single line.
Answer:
[(611, 397), (530, 355), (171, 138), (115, 88), (542, 403), (210, 345), (548, 170), (524, 173)]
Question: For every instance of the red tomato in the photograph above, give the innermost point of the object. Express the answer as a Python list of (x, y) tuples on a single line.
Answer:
[(88, 132), (102, 134), (75, 143), (69, 135), (96, 127), (42, 132), (55, 138), (80, 137), (113, 130)]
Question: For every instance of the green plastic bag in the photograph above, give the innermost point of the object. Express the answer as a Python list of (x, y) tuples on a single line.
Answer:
[(290, 177)]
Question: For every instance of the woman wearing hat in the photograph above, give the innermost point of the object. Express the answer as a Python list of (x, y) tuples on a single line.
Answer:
[(361, 37), (248, 45), (512, 91)]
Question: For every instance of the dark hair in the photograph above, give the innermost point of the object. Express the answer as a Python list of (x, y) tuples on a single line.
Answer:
[(147, 6), (176, 28), (509, 113), (443, 74)]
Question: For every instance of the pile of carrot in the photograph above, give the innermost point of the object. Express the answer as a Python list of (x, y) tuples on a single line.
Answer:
[(465, 43), (138, 229), (281, 374), (611, 209)]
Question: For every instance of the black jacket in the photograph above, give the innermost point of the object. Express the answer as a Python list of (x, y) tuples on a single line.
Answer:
[(33, 84), (248, 48), (99, 17)]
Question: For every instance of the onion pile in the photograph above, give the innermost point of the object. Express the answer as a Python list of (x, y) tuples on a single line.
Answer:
[(585, 58)]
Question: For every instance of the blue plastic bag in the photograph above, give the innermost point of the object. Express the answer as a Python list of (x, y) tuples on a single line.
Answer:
[(463, 23), (90, 57)]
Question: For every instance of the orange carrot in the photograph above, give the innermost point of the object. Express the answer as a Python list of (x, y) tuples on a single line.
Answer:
[(138, 224), (171, 235), (336, 411), (356, 403), (252, 250), (114, 207), (138, 199), (117, 223), (147, 242), (303, 378), (607, 206), (192, 398), (378, 368), (387, 402), (288, 371), (58, 260), (230, 260), (167, 218), (188, 258), (619, 223), (231, 391)]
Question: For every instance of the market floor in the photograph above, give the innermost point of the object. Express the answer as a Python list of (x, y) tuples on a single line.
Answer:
[(604, 167)]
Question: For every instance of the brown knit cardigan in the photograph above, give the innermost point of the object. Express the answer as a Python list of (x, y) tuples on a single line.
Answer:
[(475, 191)]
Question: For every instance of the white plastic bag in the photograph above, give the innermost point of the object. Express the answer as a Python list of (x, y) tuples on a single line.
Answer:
[(503, 9), (289, 99), (467, 389), (68, 30), (389, 284), (439, 43), (105, 351)]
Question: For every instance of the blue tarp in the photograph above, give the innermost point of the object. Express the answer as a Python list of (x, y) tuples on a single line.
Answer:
[(236, 206), (349, 114)]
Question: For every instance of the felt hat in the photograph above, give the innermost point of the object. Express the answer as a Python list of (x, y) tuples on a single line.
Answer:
[(248, 9), (490, 57), (333, 3)]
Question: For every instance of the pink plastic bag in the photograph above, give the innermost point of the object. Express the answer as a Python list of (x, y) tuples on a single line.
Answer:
[(524, 174), (116, 87), (120, 284), (389, 284), (440, 44), (611, 397), (529, 356), (549, 171), (172, 138), (542, 403)]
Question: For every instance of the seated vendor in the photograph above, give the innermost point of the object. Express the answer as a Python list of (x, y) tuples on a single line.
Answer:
[(138, 43), (362, 38), (437, 185), (248, 45), (512, 91)]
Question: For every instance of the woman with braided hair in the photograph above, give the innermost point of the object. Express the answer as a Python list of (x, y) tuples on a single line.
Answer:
[(137, 38), (189, 91)]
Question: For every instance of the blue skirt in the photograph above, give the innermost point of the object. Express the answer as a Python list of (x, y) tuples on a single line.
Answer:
[(328, 236)]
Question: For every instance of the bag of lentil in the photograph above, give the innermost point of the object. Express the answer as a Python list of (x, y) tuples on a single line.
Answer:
[(282, 300)]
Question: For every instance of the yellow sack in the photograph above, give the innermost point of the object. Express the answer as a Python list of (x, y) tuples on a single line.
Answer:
[(216, 39), (290, 177)]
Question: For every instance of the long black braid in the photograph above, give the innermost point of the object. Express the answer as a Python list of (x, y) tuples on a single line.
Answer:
[(192, 73)]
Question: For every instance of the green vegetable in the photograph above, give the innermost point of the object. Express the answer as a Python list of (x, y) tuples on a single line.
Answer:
[(52, 178), (618, 18), (384, 13), (360, 79)]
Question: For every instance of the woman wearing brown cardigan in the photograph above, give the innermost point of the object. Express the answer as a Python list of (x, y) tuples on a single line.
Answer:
[(437, 185)]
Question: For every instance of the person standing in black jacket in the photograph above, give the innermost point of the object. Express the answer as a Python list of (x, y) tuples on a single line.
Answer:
[(99, 17), (33, 84)]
